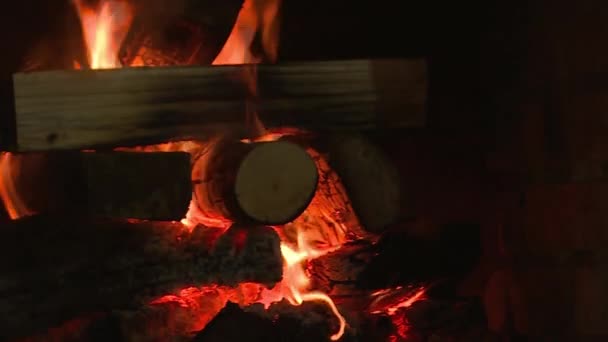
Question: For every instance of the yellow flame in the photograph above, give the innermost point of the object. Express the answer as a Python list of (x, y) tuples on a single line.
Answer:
[(298, 282), (104, 30)]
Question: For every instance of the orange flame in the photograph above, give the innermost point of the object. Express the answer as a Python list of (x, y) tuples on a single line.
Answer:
[(389, 301), (9, 170), (104, 30), (255, 16), (296, 282)]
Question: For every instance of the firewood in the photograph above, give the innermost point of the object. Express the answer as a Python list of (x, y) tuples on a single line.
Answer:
[(266, 182), (337, 273), (371, 180), (54, 269), (154, 186), (92, 108)]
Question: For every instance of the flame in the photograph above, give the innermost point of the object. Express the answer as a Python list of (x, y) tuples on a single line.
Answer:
[(321, 229), (318, 231), (104, 30), (296, 282), (9, 171), (255, 16)]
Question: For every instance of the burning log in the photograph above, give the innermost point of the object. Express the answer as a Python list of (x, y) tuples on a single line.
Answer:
[(150, 105), (154, 186), (371, 180), (267, 182), (54, 269)]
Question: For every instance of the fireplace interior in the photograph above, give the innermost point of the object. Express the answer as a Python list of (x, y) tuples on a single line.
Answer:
[(267, 170)]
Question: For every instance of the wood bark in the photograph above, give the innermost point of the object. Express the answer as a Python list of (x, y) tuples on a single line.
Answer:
[(154, 186), (370, 178), (266, 182), (83, 109), (55, 269)]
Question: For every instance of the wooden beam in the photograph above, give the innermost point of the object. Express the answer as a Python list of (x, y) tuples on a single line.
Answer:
[(53, 269), (93, 108), (152, 186)]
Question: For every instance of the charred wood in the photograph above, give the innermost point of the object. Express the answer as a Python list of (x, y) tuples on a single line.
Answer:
[(403, 258), (55, 269), (337, 273), (283, 322)]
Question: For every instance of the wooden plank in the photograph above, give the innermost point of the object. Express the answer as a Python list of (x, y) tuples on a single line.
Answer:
[(153, 186), (69, 266), (84, 109)]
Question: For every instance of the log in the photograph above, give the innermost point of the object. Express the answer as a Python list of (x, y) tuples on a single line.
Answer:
[(266, 182), (54, 269), (93, 108), (154, 186), (370, 178)]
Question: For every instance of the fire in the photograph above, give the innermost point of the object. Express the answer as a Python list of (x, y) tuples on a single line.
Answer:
[(317, 232), (104, 30)]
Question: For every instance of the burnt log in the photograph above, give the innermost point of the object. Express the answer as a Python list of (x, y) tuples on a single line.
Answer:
[(370, 178), (153, 186), (337, 273), (54, 269), (401, 257), (92, 108), (266, 182)]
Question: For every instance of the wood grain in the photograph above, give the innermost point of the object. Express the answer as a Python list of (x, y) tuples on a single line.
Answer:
[(84, 109)]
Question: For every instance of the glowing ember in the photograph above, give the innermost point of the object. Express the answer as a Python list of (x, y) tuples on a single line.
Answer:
[(104, 30), (389, 301)]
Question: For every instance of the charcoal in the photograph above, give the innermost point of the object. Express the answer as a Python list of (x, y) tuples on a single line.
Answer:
[(282, 322)]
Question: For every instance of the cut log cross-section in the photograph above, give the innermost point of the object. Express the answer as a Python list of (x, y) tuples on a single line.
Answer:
[(54, 269), (93, 108), (266, 182)]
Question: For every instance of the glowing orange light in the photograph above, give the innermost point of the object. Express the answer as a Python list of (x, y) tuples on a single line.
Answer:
[(296, 282), (389, 301), (9, 170), (104, 29)]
